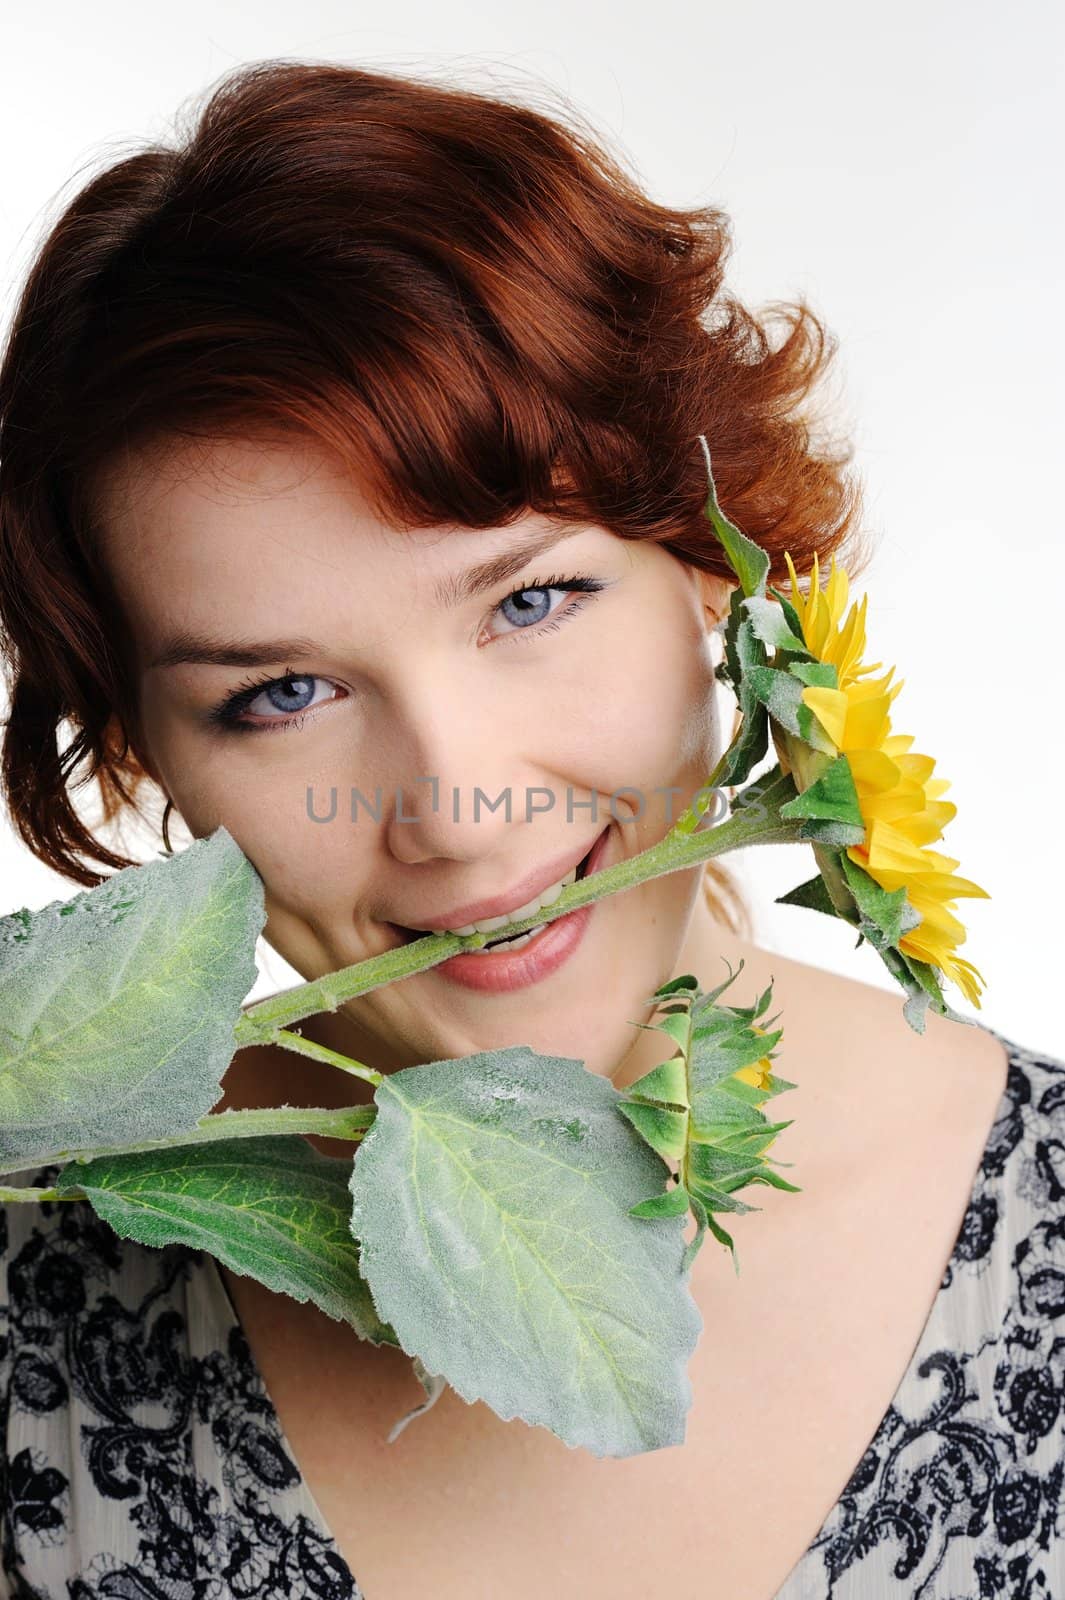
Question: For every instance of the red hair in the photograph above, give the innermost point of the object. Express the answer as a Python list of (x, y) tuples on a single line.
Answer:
[(468, 299)]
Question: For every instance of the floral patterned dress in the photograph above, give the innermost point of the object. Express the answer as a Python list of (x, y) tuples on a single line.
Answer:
[(142, 1458)]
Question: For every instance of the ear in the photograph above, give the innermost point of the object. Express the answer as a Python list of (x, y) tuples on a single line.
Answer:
[(714, 592), (113, 735)]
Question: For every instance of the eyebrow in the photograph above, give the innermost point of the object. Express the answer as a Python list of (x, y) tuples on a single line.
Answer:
[(191, 646)]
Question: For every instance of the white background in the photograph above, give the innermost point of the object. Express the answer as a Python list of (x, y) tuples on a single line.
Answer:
[(901, 167)]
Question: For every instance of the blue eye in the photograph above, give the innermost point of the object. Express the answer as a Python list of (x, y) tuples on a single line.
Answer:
[(292, 694), (529, 614)]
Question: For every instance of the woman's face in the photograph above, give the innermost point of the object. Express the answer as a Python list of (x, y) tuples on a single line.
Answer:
[(409, 685)]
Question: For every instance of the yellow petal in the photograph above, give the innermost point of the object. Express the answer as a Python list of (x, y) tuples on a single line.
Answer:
[(829, 706), (900, 800)]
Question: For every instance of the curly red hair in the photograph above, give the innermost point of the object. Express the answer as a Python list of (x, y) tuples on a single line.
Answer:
[(470, 299)]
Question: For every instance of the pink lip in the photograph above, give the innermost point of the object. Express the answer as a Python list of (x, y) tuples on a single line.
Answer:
[(501, 905), (504, 971)]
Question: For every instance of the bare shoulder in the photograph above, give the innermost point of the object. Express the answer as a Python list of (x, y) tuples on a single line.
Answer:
[(859, 1066)]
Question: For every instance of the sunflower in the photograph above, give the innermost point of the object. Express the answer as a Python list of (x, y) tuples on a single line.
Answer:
[(900, 801), (758, 1075)]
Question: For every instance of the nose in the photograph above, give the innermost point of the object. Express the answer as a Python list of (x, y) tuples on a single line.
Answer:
[(453, 817), (457, 784)]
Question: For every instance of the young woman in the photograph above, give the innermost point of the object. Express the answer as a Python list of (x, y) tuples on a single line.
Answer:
[(353, 444)]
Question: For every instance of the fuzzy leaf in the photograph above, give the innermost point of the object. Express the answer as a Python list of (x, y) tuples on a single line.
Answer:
[(744, 652), (272, 1208), (791, 616), (832, 796), (117, 1007), (771, 625), (490, 1201), (748, 560), (780, 693)]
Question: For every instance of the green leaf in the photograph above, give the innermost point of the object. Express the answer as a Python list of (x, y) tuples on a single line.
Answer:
[(666, 1084), (812, 894), (490, 1201), (814, 674), (771, 625), (780, 693), (791, 615), (117, 1007), (272, 1208), (928, 981), (685, 984), (675, 1026), (744, 651), (747, 559), (832, 836)]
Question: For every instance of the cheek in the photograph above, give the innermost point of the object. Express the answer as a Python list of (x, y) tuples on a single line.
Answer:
[(310, 869), (660, 712)]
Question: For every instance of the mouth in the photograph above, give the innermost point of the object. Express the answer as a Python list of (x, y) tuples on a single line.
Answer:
[(409, 935)]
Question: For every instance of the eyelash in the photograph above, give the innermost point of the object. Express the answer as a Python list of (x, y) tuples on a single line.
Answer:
[(226, 715)]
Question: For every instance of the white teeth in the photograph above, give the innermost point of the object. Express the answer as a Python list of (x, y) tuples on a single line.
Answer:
[(491, 924), (511, 944)]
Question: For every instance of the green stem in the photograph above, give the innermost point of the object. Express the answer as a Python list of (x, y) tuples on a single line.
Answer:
[(320, 1052), (344, 1122), (35, 1194), (682, 848)]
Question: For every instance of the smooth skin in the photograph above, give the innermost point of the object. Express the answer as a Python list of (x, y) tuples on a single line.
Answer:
[(262, 541), (802, 1352)]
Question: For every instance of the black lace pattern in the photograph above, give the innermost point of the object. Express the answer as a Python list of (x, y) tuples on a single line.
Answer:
[(142, 1458), (959, 1493)]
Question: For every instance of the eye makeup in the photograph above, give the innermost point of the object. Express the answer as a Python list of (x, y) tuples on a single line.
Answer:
[(228, 716)]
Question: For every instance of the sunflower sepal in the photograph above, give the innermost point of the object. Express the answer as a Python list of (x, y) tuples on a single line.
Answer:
[(747, 749), (886, 910), (812, 894), (921, 982), (664, 1128), (884, 917), (701, 1109), (666, 1084), (924, 991), (831, 797), (705, 1223), (672, 1203), (687, 981)]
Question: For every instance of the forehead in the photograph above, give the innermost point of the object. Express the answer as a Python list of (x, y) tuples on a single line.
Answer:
[(197, 489), (195, 532)]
